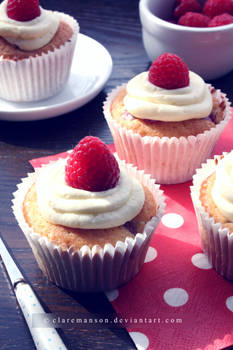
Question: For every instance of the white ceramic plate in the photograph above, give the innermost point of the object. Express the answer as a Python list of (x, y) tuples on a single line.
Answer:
[(91, 68)]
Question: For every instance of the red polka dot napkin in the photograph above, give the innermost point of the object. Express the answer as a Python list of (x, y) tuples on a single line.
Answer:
[(177, 301)]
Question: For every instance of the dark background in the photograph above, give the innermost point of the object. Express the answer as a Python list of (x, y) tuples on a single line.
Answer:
[(116, 25)]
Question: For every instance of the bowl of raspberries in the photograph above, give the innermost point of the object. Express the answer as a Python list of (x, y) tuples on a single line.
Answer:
[(199, 31)]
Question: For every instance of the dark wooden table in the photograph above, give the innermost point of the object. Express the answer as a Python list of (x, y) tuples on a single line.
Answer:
[(116, 25)]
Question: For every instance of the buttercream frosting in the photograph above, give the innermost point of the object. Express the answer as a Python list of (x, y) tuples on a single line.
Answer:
[(64, 205), (145, 100), (28, 35), (222, 192)]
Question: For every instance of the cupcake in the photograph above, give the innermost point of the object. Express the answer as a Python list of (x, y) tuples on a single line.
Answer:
[(88, 218), (212, 197), (36, 50), (166, 121)]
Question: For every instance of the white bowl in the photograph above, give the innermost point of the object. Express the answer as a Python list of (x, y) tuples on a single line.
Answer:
[(207, 51)]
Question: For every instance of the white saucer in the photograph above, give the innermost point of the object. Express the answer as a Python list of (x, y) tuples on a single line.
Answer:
[(91, 68)]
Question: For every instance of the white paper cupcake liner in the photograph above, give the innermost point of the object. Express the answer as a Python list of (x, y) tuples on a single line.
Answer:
[(40, 77), (96, 269), (168, 160), (217, 242)]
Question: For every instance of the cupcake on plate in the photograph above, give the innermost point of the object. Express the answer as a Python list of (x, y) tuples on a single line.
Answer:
[(166, 121), (88, 218), (212, 196), (36, 50)]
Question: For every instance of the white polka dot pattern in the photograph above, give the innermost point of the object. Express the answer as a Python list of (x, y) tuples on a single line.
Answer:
[(200, 260), (229, 303), (112, 295), (140, 340), (172, 220), (176, 297), (151, 254)]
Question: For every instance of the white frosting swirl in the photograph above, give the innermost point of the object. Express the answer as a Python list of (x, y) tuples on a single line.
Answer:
[(28, 35), (64, 205), (222, 192), (145, 100)]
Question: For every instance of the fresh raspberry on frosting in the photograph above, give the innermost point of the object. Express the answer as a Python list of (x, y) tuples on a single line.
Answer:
[(193, 19), (91, 166), (214, 8), (221, 20), (184, 6), (23, 10), (169, 71)]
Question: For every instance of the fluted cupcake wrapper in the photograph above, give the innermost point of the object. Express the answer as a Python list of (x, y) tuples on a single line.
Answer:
[(168, 160), (40, 77), (217, 242), (96, 269)]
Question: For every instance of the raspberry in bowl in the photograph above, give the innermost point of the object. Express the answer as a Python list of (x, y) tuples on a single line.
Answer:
[(36, 50), (167, 120), (89, 218), (207, 50)]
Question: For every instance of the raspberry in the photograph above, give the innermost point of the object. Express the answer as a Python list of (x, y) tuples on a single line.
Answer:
[(186, 6), (214, 8), (221, 20), (91, 166), (193, 19), (23, 10), (168, 71)]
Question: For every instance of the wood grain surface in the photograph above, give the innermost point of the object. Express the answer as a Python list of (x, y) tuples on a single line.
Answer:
[(116, 25)]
